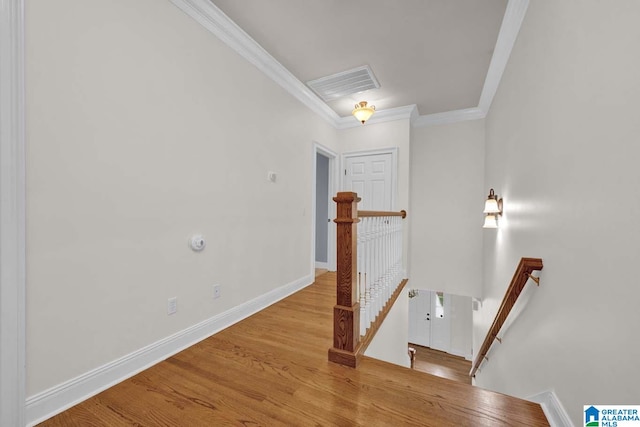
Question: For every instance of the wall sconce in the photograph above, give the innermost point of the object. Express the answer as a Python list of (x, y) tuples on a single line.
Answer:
[(492, 209)]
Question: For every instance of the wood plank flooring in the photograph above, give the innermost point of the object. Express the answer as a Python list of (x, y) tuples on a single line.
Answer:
[(441, 364), (271, 369)]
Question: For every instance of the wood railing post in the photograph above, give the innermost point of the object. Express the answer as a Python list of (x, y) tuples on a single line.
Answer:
[(346, 313)]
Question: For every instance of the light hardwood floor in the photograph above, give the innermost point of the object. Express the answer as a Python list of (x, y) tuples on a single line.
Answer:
[(271, 369), (441, 364)]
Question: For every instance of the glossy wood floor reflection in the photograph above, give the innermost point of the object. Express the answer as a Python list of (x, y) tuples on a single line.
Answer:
[(441, 364), (271, 369)]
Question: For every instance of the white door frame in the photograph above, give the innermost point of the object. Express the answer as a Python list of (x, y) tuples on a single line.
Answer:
[(333, 189), (394, 168), (12, 215)]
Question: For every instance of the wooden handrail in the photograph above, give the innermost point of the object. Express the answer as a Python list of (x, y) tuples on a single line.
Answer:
[(520, 278), (348, 347), (363, 214)]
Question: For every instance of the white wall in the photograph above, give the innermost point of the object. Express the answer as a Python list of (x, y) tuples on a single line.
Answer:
[(562, 148), (143, 128), (447, 192), (391, 342), (461, 326)]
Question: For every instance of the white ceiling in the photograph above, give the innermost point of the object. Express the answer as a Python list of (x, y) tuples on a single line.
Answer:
[(437, 61), (432, 53)]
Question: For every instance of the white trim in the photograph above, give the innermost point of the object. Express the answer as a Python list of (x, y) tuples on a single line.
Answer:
[(394, 169), (552, 408), (333, 189), (322, 265), (12, 214), (61, 397), (511, 23), (449, 117), (213, 19)]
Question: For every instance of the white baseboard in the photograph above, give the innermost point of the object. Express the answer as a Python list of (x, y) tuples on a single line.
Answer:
[(48, 403), (552, 408), (324, 265)]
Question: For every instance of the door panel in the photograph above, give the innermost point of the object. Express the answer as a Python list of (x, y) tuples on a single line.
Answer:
[(378, 190), (358, 187), (378, 167), (370, 177), (420, 319)]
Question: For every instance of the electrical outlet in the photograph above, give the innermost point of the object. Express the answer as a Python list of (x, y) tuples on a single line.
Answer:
[(172, 305), (216, 291)]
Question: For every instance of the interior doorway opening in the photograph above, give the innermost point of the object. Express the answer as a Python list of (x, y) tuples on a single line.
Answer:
[(441, 321), (324, 188)]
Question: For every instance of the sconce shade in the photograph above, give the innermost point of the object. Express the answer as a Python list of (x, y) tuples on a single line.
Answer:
[(492, 204), (362, 112), (490, 221)]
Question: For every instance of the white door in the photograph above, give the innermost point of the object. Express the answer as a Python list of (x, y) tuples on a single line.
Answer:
[(420, 319), (440, 321), (371, 177)]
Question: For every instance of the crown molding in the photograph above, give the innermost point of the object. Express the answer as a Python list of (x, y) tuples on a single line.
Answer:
[(390, 114), (449, 117), (511, 23), (214, 20)]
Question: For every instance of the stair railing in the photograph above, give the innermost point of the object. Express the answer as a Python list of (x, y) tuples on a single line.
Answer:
[(370, 276), (520, 278)]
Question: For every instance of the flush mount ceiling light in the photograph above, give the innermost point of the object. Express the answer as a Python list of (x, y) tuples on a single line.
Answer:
[(362, 112), (492, 209)]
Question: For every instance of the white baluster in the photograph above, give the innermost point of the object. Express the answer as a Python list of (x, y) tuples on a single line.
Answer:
[(361, 285), (374, 270), (387, 278), (380, 272), (370, 263)]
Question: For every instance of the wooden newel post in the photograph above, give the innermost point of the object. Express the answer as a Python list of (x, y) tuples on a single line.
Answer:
[(346, 313)]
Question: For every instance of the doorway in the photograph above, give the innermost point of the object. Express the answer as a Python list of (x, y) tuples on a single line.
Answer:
[(430, 319), (441, 321), (323, 209)]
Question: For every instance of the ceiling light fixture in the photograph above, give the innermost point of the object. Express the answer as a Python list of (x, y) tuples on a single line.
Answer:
[(492, 209), (362, 112)]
